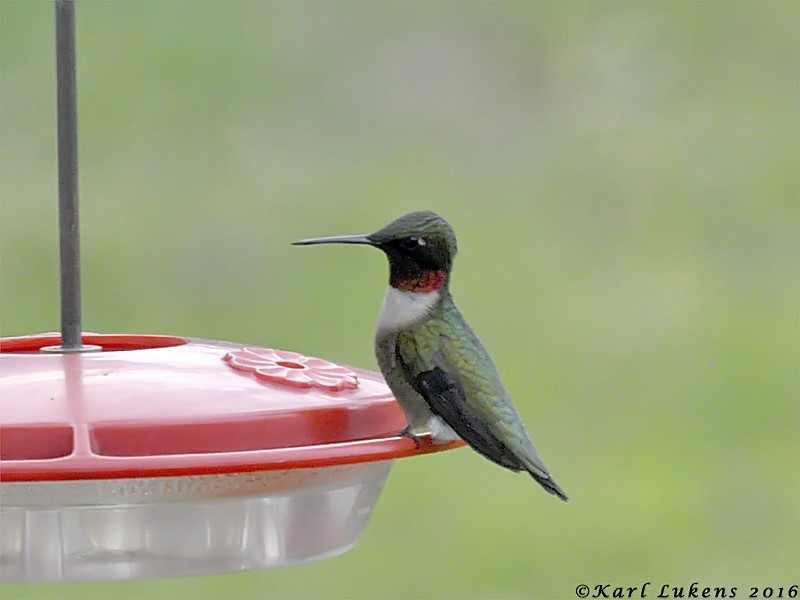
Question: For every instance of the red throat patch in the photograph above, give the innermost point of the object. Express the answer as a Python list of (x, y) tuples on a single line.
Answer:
[(428, 281)]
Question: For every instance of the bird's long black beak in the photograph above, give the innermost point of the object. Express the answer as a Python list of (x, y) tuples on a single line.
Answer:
[(336, 239)]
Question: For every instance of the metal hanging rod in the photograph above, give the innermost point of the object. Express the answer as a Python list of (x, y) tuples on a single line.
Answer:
[(69, 237)]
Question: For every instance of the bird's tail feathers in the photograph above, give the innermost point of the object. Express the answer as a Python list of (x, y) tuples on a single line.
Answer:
[(533, 465), (549, 484)]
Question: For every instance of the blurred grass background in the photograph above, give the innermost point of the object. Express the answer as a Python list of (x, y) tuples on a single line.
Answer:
[(623, 178)]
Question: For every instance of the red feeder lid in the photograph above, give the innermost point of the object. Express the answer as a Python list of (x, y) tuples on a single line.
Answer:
[(151, 405)]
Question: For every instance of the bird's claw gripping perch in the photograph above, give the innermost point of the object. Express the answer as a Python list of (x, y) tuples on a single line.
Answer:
[(407, 433)]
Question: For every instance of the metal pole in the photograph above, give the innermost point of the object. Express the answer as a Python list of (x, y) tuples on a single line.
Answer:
[(69, 238)]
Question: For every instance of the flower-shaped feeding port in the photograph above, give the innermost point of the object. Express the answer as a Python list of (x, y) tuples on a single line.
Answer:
[(292, 369)]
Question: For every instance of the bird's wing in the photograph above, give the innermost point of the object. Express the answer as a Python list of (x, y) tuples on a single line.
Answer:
[(431, 376), (462, 388)]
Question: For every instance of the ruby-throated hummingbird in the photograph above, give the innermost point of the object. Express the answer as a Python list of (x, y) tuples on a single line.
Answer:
[(434, 364)]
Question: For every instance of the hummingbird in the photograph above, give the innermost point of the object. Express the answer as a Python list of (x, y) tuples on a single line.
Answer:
[(436, 367)]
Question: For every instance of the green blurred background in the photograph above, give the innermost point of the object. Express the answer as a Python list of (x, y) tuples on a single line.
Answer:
[(623, 178)]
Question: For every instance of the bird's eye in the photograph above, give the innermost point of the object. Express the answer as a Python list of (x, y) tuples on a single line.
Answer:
[(411, 242)]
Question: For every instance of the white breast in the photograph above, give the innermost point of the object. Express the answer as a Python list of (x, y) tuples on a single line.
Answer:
[(402, 309)]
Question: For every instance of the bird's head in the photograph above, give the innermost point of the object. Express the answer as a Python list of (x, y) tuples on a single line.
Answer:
[(420, 247)]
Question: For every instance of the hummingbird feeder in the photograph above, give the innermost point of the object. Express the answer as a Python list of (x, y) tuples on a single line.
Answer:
[(142, 456)]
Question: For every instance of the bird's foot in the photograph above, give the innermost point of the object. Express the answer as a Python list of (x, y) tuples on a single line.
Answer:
[(407, 433)]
